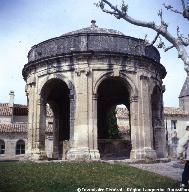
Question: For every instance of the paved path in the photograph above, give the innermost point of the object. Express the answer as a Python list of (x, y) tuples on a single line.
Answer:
[(171, 169)]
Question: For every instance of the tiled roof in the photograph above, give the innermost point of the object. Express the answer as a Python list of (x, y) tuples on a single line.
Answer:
[(168, 111), (19, 128), (49, 128), (20, 110), (4, 105), (49, 111), (94, 29), (174, 111), (13, 128), (5, 111), (122, 113)]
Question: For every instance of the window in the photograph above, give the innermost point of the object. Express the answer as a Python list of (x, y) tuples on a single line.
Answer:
[(2, 147), (173, 124), (20, 147)]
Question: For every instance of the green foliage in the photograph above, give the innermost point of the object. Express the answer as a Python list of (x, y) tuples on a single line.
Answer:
[(64, 176), (113, 130)]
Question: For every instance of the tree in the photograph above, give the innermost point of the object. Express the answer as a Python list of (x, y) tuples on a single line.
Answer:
[(180, 42), (113, 131)]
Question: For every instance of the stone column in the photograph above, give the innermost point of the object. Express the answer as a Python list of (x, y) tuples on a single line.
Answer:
[(80, 142), (30, 92), (40, 125), (94, 130), (146, 120), (29, 125), (55, 154), (35, 145), (135, 129), (55, 110), (159, 132), (144, 146)]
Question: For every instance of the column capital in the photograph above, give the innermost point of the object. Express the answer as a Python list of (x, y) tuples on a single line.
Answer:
[(82, 69), (71, 96), (94, 96), (144, 77)]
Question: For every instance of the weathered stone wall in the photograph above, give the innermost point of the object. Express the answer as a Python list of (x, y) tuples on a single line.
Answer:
[(10, 140), (81, 63), (20, 119), (5, 119), (173, 135)]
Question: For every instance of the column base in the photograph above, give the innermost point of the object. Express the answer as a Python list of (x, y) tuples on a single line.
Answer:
[(82, 154), (146, 153), (36, 155), (55, 155)]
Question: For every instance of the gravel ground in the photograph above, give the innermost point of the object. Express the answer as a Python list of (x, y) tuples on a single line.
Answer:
[(171, 169)]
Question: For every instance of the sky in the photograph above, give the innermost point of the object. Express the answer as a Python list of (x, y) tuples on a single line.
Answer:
[(24, 23)]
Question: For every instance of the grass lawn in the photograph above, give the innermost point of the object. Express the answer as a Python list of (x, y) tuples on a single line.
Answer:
[(68, 177)]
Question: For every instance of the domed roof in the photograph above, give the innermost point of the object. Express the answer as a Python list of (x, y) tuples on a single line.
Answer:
[(94, 40), (94, 29)]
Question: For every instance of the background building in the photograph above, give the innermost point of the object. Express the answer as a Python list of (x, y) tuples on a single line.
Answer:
[(13, 129)]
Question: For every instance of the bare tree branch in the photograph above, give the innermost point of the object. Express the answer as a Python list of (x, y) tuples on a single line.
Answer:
[(155, 39), (184, 12), (169, 7), (161, 44), (185, 40), (183, 4), (168, 48), (178, 42), (110, 12)]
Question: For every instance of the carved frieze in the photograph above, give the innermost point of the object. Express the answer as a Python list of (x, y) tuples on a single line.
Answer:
[(51, 69), (31, 80), (82, 69), (143, 77), (116, 71)]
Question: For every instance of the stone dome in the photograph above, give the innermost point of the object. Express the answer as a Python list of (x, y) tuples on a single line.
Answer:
[(93, 40), (94, 29)]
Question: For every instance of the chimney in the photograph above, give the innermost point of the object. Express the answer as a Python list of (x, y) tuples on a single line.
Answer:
[(11, 101)]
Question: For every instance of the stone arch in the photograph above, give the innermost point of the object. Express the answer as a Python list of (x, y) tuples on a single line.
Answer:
[(111, 91), (61, 77), (132, 87), (59, 93), (153, 85)]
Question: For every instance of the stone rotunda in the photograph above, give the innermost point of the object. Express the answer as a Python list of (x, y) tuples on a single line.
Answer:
[(81, 75)]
